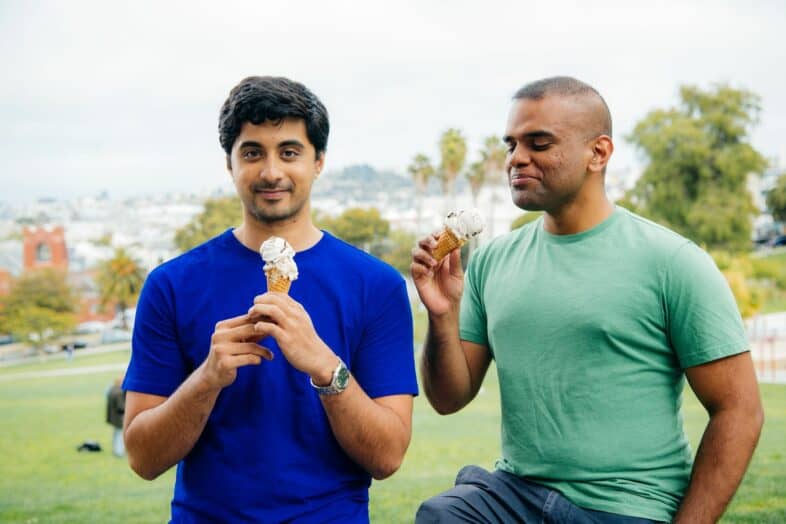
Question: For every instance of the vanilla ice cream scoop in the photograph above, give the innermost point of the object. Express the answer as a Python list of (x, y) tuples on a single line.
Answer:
[(465, 224), (279, 256), (460, 226)]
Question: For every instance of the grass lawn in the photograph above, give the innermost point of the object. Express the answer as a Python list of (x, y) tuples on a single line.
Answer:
[(45, 480), (58, 361)]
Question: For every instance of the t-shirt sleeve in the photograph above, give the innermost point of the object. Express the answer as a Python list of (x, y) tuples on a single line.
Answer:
[(157, 366), (472, 316), (385, 361), (703, 320)]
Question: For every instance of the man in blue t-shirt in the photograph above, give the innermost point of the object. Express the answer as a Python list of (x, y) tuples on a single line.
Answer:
[(276, 407)]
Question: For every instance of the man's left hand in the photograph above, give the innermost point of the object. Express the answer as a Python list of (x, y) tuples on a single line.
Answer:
[(287, 321)]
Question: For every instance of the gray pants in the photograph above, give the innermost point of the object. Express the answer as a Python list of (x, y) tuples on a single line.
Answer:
[(499, 497)]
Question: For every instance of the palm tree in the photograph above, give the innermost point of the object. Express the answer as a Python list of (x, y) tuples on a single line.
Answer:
[(476, 176), (453, 149), (421, 170), (493, 159), (120, 280)]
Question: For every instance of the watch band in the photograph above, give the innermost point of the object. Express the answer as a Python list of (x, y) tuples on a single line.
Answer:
[(339, 382)]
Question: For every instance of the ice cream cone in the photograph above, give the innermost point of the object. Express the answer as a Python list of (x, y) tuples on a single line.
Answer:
[(446, 243), (277, 281), (460, 226), (280, 268)]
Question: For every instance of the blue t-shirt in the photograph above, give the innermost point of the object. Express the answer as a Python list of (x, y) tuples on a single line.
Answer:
[(267, 453)]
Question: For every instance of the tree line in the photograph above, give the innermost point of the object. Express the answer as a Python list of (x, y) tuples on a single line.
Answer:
[(42, 304), (698, 158), (697, 155)]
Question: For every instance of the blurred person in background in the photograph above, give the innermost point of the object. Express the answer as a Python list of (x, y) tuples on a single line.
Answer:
[(115, 409)]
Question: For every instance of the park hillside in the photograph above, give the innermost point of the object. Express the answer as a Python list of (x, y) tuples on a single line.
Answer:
[(701, 178)]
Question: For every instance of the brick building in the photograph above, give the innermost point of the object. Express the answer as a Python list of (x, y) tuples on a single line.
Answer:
[(44, 247)]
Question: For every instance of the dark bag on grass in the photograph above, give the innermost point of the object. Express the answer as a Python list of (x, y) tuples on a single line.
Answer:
[(89, 445)]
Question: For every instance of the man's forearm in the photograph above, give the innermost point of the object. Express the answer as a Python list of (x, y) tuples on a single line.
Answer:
[(160, 437), (723, 455), (372, 434), (446, 378)]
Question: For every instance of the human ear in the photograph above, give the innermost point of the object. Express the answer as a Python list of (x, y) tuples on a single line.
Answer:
[(602, 149), (319, 163)]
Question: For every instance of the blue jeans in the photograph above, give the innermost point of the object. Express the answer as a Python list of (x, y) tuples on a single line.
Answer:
[(499, 497)]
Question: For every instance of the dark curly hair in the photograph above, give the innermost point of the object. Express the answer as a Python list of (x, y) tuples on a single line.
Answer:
[(257, 99)]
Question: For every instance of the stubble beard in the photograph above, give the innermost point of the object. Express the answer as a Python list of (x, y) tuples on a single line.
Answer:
[(527, 200), (265, 215)]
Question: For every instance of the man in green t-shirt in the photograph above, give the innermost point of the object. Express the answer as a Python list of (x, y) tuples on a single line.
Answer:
[(594, 317)]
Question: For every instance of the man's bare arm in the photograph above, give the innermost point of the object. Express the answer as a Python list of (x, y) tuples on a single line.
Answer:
[(452, 370), (728, 390), (375, 433), (160, 431)]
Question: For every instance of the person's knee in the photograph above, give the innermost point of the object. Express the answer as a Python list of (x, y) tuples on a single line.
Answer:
[(460, 503), (435, 510)]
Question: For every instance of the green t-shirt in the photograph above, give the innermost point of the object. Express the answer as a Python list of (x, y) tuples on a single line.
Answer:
[(590, 334)]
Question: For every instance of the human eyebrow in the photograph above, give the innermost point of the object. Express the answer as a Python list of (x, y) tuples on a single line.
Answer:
[(291, 143), (250, 143), (539, 134)]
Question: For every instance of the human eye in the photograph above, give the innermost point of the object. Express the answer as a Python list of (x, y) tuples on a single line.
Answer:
[(290, 154), (251, 154), (540, 145)]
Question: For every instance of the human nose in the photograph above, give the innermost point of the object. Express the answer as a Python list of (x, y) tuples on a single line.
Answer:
[(270, 170), (519, 156)]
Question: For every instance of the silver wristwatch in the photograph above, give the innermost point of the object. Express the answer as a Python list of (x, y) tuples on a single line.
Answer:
[(338, 384)]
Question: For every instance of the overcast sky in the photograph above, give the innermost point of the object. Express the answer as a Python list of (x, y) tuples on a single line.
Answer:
[(124, 96)]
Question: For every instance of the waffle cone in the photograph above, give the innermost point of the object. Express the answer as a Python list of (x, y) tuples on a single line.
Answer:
[(277, 281), (446, 243)]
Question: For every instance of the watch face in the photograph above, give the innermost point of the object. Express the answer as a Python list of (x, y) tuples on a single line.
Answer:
[(342, 378)]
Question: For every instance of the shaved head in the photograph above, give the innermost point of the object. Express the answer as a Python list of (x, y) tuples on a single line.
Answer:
[(594, 113)]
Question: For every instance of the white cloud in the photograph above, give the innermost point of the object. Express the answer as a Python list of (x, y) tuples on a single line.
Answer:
[(128, 93)]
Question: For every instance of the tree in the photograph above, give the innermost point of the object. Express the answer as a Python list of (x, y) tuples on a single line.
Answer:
[(737, 269), (421, 171), (363, 228), (219, 215), (453, 150), (397, 250), (699, 161), (493, 157), (476, 176), (776, 199), (120, 280), (39, 307)]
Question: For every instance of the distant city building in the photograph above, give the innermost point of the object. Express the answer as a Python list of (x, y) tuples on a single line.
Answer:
[(44, 247)]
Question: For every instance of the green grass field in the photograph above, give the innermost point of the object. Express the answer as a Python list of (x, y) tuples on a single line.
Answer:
[(45, 480)]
